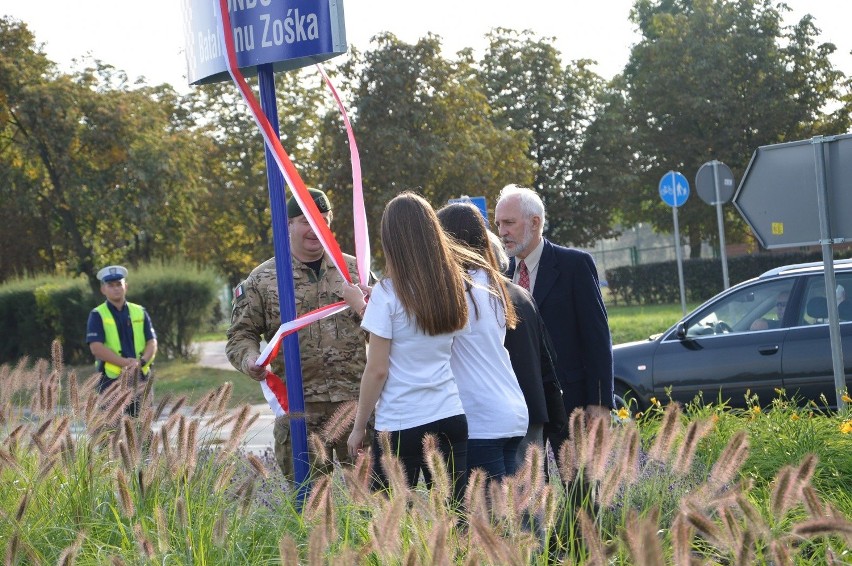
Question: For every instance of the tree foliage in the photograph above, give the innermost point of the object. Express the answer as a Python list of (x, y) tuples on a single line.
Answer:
[(233, 231), (95, 170), (712, 79), (530, 91), (422, 123), (109, 175)]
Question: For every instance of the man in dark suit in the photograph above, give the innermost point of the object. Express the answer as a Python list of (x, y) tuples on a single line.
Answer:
[(564, 283), (534, 363)]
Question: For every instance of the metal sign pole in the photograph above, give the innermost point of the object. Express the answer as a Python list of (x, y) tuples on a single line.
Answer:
[(720, 219), (679, 256), (672, 187), (828, 261), (287, 298)]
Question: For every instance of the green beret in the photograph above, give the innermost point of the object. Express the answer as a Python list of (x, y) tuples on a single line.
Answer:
[(322, 202)]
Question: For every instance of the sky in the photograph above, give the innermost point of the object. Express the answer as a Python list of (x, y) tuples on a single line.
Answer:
[(145, 38)]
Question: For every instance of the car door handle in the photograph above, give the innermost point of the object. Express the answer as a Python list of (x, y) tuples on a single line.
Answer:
[(769, 350)]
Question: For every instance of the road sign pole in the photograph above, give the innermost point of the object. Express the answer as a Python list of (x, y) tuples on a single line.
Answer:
[(674, 190), (721, 221), (828, 261), (679, 256), (287, 302)]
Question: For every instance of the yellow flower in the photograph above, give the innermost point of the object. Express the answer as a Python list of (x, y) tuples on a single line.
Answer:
[(846, 427), (638, 416), (846, 398), (623, 413), (756, 410), (794, 417), (654, 401)]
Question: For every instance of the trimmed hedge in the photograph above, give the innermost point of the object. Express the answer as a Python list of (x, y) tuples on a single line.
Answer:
[(658, 283), (34, 312)]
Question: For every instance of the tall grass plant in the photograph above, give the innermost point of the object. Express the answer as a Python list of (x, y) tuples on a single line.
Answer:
[(83, 483)]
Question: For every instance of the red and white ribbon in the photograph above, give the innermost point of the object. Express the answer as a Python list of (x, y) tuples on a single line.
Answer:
[(288, 170), (275, 393), (359, 213), (272, 348), (274, 389)]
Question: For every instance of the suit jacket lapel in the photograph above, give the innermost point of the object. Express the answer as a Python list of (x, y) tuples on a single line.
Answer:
[(511, 271), (547, 273)]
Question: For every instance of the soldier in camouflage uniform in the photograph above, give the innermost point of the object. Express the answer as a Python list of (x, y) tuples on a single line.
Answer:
[(332, 349)]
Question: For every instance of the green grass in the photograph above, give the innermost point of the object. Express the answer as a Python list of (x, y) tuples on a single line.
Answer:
[(212, 333), (186, 378), (210, 336), (638, 322)]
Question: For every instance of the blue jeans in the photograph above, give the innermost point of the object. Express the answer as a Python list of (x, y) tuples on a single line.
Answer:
[(497, 456)]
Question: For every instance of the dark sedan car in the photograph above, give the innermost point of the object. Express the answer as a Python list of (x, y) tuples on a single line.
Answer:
[(767, 333)]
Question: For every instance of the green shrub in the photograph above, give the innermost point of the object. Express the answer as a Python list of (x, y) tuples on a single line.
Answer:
[(179, 299), (35, 311), (658, 283)]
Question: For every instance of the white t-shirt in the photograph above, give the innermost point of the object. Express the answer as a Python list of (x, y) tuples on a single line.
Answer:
[(492, 399), (420, 388)]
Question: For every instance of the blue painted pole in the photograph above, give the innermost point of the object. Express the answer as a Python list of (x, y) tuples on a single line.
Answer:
[(287, 299)]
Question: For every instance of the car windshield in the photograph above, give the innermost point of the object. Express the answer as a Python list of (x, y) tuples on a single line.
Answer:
[(756, 307)]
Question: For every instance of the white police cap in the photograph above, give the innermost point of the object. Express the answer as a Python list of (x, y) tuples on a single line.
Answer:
[(112, 273)]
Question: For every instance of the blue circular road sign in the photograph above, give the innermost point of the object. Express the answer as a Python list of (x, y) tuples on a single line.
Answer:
[(674, 188)]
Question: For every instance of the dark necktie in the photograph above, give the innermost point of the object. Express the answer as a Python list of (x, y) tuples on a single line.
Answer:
[(523, 275)]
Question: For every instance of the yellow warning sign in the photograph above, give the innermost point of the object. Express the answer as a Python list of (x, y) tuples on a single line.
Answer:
[(777, 228)]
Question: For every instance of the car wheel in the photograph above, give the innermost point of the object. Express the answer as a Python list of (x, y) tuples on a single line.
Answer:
[(627, 398)]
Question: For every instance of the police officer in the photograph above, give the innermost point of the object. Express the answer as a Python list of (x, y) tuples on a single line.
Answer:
[(332, 349), (119, 333)]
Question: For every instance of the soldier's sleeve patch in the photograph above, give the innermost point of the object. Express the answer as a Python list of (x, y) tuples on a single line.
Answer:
[(239, 293)]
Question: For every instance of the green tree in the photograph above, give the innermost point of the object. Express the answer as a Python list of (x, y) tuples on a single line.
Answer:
[(715, 79), (24, 241), (530, 91), (422, 122), (109, 168), (234, 227)]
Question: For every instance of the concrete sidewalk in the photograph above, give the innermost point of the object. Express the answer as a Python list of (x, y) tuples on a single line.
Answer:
[(212, 355)]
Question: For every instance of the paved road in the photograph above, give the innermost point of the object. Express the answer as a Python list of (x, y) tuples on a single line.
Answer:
[(259, 437)]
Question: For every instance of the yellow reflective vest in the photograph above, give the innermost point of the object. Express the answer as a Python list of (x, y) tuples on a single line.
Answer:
[(113, 341)]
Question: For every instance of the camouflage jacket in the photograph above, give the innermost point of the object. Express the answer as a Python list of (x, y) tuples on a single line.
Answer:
[(332, 349)]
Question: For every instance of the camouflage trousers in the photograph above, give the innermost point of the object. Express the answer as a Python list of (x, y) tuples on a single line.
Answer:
[(317, 415)]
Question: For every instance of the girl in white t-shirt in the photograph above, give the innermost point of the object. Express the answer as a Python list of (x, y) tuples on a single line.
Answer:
[(496, 410), (413, 315)]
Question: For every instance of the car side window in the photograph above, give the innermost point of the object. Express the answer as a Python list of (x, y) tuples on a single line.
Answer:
[(757, 307), (816, 303), (844, 305)]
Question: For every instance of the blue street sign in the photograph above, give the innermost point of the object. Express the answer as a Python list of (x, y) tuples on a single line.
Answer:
[(290, 35), (674, 189), (478, 202)]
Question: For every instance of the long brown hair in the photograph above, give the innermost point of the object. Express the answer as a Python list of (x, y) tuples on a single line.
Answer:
[(464, 223), (426, 275)]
